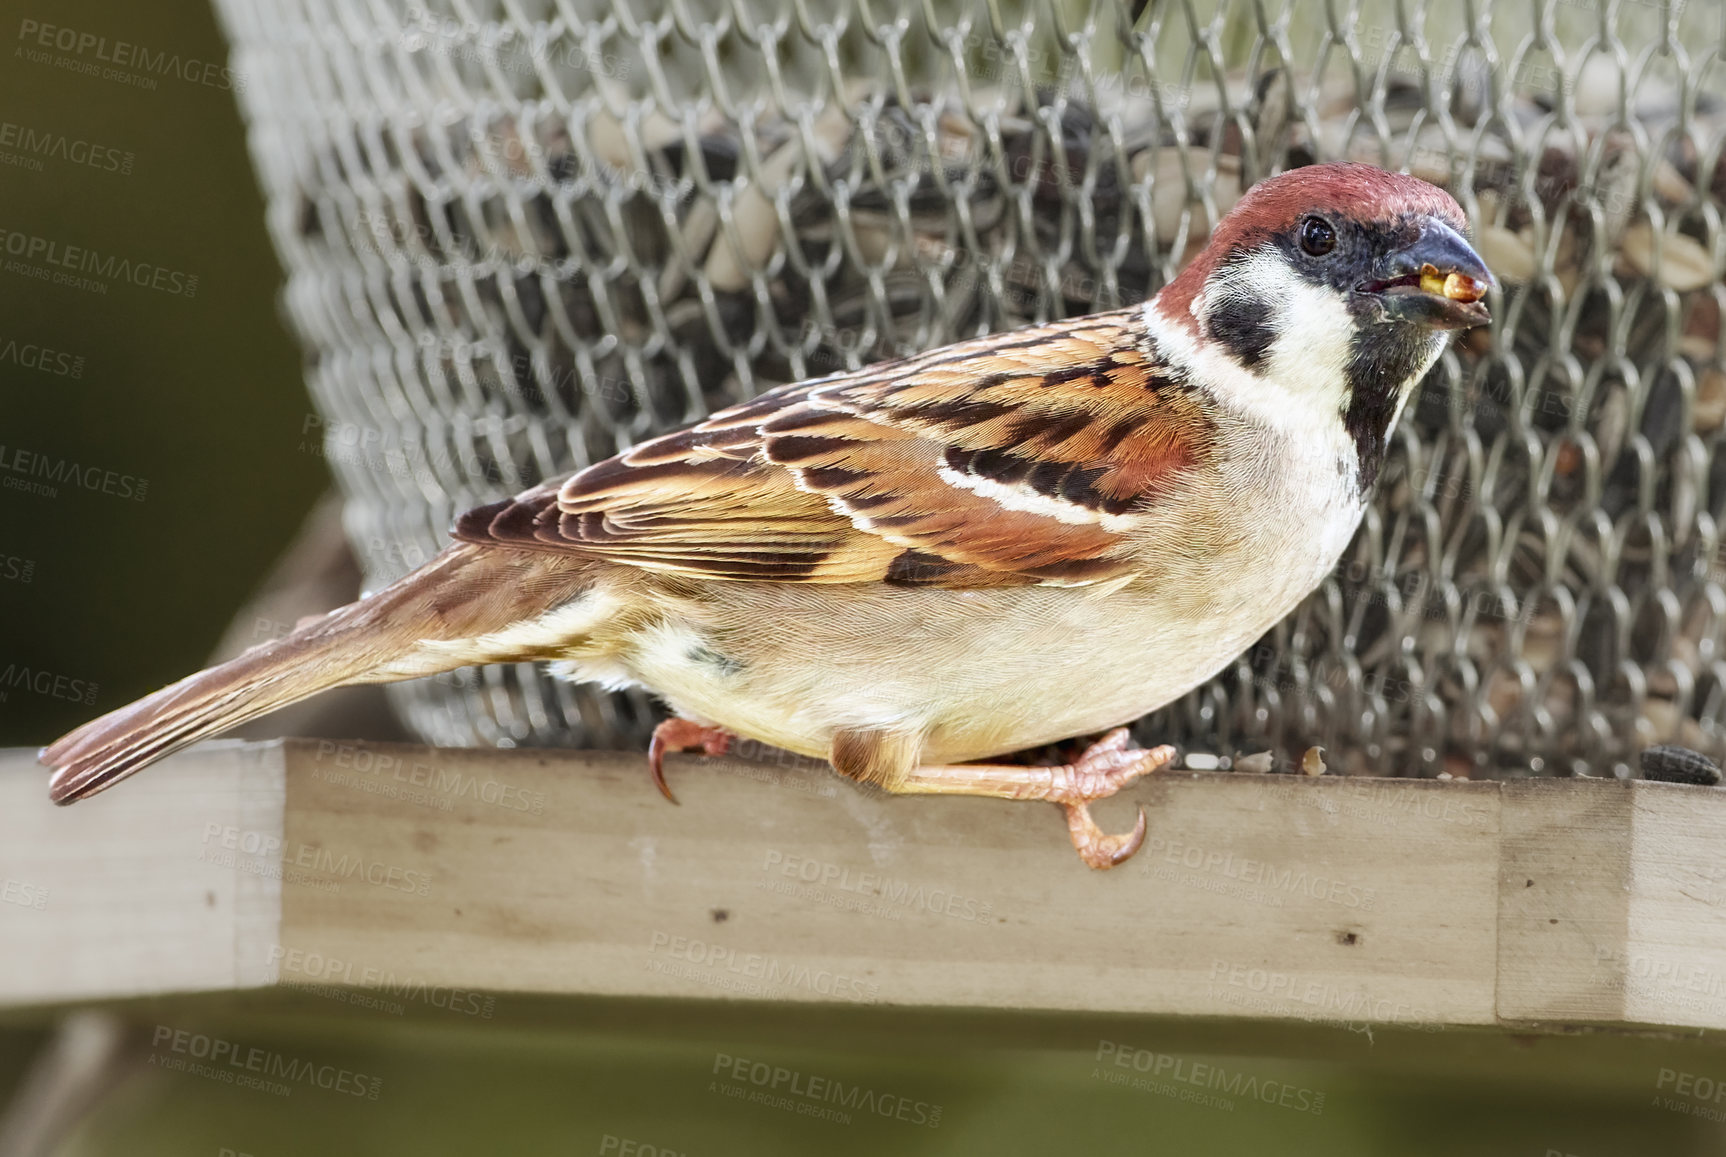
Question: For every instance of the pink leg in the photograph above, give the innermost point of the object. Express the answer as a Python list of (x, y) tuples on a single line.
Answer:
[(680, 735), (1105, 768)]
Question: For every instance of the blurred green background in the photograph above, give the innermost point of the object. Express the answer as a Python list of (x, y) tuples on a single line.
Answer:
[(589, 1077), (202, 397)]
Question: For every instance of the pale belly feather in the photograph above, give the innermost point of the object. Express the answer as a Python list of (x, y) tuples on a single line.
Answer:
[(977, 673), (983, 672)]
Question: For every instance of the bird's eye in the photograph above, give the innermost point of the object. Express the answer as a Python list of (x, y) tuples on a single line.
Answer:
[(1316, 236)]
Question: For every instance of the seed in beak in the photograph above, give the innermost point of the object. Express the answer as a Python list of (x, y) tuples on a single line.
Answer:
[(1454, 286)]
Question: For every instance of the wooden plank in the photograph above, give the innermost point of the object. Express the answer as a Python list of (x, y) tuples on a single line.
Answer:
[(1253, 896), (1672, 966), (1613, 903), (1564, 899), (447, 877), (172, 888)]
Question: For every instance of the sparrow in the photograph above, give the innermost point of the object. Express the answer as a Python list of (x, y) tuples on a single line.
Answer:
[(916, 568)]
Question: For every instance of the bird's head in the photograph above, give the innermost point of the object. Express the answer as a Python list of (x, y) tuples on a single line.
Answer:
[(1326, 295)]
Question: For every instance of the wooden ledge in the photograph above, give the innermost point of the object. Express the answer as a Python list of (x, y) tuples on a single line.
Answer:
[(402, 875)]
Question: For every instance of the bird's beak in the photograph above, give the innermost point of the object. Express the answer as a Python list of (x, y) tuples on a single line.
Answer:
[(1437, 281)]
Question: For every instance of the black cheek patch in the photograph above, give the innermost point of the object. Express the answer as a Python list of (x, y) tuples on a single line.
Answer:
[(1242, 326)]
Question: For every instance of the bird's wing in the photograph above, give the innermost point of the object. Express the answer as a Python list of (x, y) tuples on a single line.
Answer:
[(1018, 458)]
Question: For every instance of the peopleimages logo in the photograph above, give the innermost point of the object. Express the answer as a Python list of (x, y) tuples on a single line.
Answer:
[(42, 359), (75, 265), (1161, 1068), (40, 474), (813, 1095), (750, 973), (24, 895), (320, 971), (841, 886), (26, 146), (228, 1061), (232, 846), (86, 52), (19, 677)]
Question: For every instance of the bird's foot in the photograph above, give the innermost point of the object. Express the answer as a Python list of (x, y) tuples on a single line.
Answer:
[(681, 735), (1104, 768)]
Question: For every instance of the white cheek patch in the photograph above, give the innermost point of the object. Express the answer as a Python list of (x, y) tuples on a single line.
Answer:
[(1309, 413), (1308, 357), (1314, 335)]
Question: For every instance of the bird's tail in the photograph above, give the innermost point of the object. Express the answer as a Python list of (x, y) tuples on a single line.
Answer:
[(393, 634)]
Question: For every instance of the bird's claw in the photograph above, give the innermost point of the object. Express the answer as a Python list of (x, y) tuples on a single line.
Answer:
[(680, 735), (1098, 849), (1104, 768)]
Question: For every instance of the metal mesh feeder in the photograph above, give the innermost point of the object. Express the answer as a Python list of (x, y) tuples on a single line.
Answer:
[(523, 236)]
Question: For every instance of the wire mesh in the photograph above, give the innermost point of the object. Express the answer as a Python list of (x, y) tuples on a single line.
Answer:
[(522, 235)]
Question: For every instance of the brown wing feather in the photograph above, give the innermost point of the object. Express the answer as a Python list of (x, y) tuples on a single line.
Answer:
[(1012, 459)]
